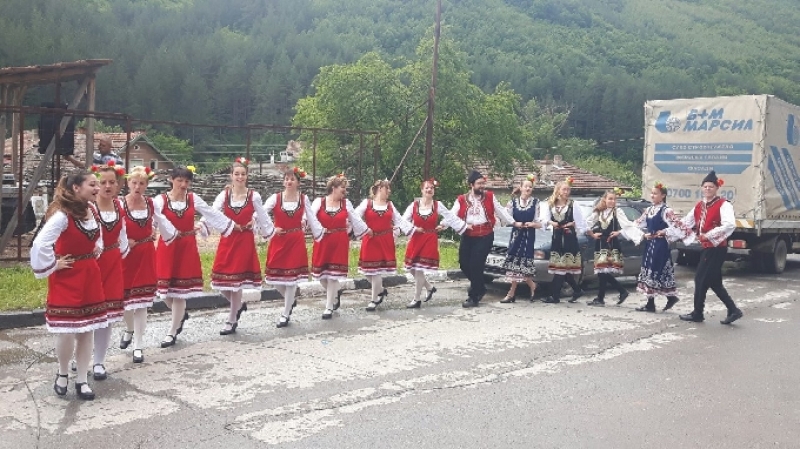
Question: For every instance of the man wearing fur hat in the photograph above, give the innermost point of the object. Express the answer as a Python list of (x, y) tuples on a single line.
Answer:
[(710, 223), (479, 209)]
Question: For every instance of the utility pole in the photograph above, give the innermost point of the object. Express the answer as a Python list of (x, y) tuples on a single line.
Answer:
[(432, 91)]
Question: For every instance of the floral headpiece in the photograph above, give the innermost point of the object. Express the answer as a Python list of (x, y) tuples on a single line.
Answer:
[(340, 175), (720, 182), (531, 178), (149, 172), (660, 185), (119, 170), (433, 182), (242, 160), (299, 172), (569, 180), (618, 191), (192, 169)]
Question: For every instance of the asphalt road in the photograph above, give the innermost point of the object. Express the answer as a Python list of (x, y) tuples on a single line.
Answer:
[(519, 375)]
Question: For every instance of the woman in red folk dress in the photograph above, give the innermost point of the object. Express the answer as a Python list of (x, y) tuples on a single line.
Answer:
[(180, 276), (115, 248), (422, 252), (377, 257), (287, 258), (330, 259), (139, 267), (65, 251), (236, 265)]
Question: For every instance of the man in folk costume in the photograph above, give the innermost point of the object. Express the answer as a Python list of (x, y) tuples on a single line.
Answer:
[(479, 209), (710, 223)]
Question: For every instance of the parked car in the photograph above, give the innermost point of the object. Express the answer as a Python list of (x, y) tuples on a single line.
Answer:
[(632, 254)]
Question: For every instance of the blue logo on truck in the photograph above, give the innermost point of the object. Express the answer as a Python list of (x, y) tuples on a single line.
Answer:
[(793, 131), (701, 120)]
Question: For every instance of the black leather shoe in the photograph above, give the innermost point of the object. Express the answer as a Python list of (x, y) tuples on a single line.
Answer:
[(414, 305), (338, 300), (430, 294), (372, 306), (123, 343), (732, 316), (671, 300), (596, 302), (85, 395), (381, 296), (102, 375), (327, 314), (168, 341), (508, 299), (138, 356), (61, 391), (576, 295), (623, 296), (647, 308), (230, 330), (469, 303), (283, 321), (551, 300), (692, 317), (243, 308), (180, 329)]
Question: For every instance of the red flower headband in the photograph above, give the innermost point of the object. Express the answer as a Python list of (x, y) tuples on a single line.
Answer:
[(531, 178), (433, 182), (569, 180), (243, 161), (720, 182), (299, 172), (118, 169), (618, 191), (660, 186)]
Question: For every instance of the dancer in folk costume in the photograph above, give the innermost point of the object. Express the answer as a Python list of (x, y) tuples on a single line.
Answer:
[(180, 275), (519, 264), (377, 257), (657, 275), (422, 251), (566, 221), (236, 265), (330, 258), (139, 267), (287, 258), (65, 251), (115, 248), (480, 209), (606, 225), (710, 223)]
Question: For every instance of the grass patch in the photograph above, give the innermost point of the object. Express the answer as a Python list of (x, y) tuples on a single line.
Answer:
[(21, 291)]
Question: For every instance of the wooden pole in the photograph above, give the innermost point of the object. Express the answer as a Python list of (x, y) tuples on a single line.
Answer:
[(39, 172), (432, 91), (90, 105)]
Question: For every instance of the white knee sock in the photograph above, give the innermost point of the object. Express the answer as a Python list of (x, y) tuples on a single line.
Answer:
[(288, 299), (236, 304), (102, 339), (127, 316), (377, 285), (331, 290), (178, 309), (139, 326), (83, 354), (420, 282), (281, 289), (65, 346)]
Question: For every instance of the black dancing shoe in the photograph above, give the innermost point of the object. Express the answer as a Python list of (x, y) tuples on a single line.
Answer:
[(381, 296), (596, 302), (230, 330), (623, 296), (671, 300), (61, 391), (649, 307), (551, 300), (101, 374), (576, 295), (414, 305), (469, 303), (84, 394), (283, 321), (180, 329), (692, 317), (430, 294), (327, 314), (732, 316), (123, 343), (338, 299), (373, 305), (168, 341), (508, 299), (242, 309), (138, 356)]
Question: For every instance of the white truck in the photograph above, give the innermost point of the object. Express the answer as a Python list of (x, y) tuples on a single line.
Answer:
[(753, 143)]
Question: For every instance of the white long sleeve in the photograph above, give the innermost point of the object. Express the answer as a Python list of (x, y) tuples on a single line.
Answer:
[(161, 223), (123, 240), (450, 219), (43, 255), (359, 227), (405, 226), (214, 218), (726, 227), (502, 213), (577, 217), (317, 231), (263, 224)]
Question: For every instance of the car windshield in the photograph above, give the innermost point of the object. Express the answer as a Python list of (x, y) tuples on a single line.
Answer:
[(502, 236)]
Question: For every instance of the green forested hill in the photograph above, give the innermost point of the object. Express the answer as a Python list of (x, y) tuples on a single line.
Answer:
[(240, 61)]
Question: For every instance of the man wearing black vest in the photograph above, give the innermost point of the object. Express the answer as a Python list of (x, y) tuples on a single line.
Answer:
[(710, 223), (479, 209)]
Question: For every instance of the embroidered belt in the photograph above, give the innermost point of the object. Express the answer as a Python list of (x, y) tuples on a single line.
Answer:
[(185, 234), (148, 239), (110, 247), (332, 230), (380, 233), (286, 231), (80, 256), (480, 230), (428, 231)]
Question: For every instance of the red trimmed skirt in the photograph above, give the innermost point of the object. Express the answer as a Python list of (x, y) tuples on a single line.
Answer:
[(139, 276), (178, 268), (378, 255), (236, 264), (287, 259), (422, 252), (113, 285), (75, 299), (331, 256)]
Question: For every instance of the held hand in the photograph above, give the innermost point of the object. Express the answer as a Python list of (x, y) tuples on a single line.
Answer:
[(571, 224), (64, 262), (131, 244), (370, 233), (197, 228), (469, 227), (554, 225), (440, 228), (596, 235), (280, 231), (418, 229)]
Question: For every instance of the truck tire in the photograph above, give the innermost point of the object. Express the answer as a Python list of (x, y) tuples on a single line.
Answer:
[(775, 262)]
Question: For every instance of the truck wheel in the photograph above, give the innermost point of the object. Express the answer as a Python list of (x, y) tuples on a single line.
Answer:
[(775, 262)]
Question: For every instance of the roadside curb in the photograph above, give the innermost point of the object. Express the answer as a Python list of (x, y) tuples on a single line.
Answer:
[(15, 320)]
